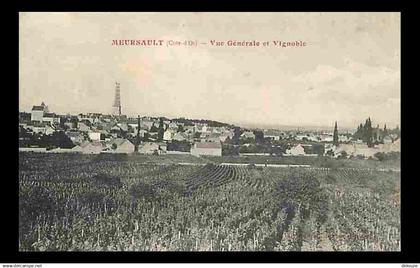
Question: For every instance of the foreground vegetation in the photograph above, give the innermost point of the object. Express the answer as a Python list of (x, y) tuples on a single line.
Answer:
[(113, 203), (317, 161)]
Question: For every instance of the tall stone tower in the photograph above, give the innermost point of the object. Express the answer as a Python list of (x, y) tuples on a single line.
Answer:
[(117, 100)]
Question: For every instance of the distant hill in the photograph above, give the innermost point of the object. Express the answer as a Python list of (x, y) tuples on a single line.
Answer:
[(291, 128), (210, 123)]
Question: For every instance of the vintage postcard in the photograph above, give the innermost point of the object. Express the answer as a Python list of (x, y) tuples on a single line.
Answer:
[(195, 131)]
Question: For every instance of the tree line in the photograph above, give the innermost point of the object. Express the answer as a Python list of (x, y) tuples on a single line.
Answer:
[(371, 135)]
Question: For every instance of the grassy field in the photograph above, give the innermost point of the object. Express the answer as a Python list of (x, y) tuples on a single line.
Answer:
[(130, 203)]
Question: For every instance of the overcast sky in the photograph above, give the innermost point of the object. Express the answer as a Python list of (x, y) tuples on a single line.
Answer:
[(349, 70)]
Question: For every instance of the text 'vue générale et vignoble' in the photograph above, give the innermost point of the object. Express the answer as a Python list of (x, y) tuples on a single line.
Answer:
[(209, 43)]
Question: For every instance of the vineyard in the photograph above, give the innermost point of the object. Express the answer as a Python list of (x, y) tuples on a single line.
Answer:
[(102, 203)]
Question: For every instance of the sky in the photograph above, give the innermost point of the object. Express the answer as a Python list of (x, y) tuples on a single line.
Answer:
[(348, 71)]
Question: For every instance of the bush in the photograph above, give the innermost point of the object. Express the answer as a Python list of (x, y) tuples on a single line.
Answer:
[(143, 190), (343, 155), (306, 190), (387, 156), (330, 179), (301, 187)]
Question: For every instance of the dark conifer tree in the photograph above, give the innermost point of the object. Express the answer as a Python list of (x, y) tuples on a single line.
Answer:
[(335, 135)]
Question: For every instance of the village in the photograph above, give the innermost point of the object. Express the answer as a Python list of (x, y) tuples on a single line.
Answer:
[(95, 133)]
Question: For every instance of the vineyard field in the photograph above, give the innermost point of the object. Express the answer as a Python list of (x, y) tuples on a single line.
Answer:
[(70, 202)]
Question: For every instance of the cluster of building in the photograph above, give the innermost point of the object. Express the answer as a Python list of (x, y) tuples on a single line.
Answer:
[(95, 133)]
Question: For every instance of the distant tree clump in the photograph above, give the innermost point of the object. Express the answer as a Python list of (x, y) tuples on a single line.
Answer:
[(143, 190), (343, 155), (57, 139), (305, 190)]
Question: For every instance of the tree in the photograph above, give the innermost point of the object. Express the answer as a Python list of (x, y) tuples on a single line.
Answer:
[(376, 134), (137, 143), (318, 149), (358, 135), (343, 155), (74, 121), (146, 136), (180, 146), (335, 136), (330, 153), (236, 135), (369, 133), (397, 131)]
